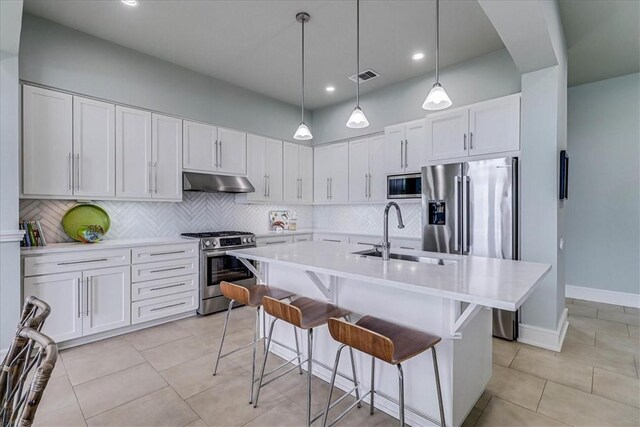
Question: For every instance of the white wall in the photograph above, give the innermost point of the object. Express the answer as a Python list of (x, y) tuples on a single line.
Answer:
[(486, 77), (9, 143), (64, 58), (603, 209)]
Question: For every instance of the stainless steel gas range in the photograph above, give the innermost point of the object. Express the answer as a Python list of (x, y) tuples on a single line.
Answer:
[(216, 266)]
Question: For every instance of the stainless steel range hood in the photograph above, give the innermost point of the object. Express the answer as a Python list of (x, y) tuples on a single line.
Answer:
[(207, 183)]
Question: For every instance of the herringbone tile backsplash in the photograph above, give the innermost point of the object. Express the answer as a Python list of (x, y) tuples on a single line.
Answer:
[(216, 211), (197, 212)]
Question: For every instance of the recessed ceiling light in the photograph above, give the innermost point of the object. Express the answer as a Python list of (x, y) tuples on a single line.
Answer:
[(130, 2), (417, 56), (330, 89)]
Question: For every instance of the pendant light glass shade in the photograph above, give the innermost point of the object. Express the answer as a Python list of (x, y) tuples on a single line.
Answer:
[(357, 119), (437, 99), (302, 133)]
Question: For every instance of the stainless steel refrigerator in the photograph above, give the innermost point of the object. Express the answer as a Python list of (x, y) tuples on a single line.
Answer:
[(471, 208)]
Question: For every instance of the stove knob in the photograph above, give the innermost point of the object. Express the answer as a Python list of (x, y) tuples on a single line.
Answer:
[(253, 239), (244, 240), (207, 243), (214, 243)]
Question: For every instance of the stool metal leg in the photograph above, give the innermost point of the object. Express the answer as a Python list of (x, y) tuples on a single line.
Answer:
[(373, 377), (435, 370), (295, 334), (331, 384), (253, 362), (264, 362), (401, 394), (355, 378), (309, 373), (224, 333)]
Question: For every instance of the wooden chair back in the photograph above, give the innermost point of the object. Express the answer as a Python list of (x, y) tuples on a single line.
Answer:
[(281, 310), (235, 292), (361, 339)]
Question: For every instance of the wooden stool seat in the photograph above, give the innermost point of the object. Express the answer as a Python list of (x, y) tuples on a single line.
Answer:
[(252, 296), (305, 313)]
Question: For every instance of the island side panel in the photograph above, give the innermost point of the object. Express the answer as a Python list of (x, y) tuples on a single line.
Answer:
[(415, 310)]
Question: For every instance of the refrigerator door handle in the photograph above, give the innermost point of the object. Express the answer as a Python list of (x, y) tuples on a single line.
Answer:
[(467, 212), (457, 229)]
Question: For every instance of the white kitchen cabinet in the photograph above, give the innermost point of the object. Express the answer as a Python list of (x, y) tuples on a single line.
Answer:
[(133, 153), (411, 244), (331, 173), (166, 157), (273, 240), (63, 293), (367, 177), (302, 238), (47, 146), (447, 134), (107, 295), (494, 126), (405, 147), (93, 148), (297, 173), (200, 147), (232, 151), (168, 305), (485, 128), (264, 168)]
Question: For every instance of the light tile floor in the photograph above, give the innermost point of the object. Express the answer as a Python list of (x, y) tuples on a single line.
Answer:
[(162, 377)]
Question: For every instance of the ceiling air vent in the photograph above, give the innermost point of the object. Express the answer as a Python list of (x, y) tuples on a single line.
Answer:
[(365, 76)]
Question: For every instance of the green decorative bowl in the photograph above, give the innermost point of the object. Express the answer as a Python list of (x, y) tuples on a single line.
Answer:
[(86, 223)]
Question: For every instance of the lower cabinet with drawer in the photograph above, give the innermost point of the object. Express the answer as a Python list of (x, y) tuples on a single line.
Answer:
[(167, 305), (275, 240), (336, 238)]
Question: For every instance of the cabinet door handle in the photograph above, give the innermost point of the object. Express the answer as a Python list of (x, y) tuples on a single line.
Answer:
[(406, 160), (167, 287), (332, 240), (155, 179), (215, 153), (268, 185), (407, 247), (401, 154), (366, 185), (464, 142), (299, 188), (264, 178), (168, 306), (77, 165), (167, 269), (369, 185), (470, 140), (79, 297), (166, 253), (149, 176), (83, 261), (220, 158), (88, 297), (327, 188), (69, 175), (273, 243)]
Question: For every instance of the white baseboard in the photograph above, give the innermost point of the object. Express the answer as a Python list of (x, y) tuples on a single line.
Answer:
[(545, 338), (603, 295)]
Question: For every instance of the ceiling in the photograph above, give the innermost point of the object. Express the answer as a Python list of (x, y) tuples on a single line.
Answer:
[(256, 44), (603, 38)]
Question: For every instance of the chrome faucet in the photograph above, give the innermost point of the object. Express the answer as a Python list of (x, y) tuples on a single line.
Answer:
[(386, 246)]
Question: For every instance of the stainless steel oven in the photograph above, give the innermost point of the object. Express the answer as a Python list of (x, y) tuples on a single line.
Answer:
[(216, 266)]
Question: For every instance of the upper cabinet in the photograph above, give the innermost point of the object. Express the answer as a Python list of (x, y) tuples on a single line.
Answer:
[(405, 147), (297, 173), (367, 177), (148, 155), (209, 148), (264, 168), (480, 129), (47, 142), (331, 173)]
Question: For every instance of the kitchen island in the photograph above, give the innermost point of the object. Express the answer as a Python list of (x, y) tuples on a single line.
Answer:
[(447, 295)]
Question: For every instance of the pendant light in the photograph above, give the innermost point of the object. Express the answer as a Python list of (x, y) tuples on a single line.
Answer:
[(302, 133), (357, 119), (437, 98)]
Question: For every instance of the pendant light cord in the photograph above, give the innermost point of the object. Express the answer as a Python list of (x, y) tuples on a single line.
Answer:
[(358, 53), (302, 71), (437, 41)]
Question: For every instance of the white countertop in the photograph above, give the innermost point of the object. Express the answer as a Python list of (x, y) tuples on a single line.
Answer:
[(490, 282), (103, 244)]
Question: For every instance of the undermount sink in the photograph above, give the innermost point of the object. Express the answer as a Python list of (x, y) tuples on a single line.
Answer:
[(405, 257)]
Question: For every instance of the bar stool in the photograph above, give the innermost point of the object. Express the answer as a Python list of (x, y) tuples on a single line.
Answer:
[(251, 297), (386, 341), (307, 314)]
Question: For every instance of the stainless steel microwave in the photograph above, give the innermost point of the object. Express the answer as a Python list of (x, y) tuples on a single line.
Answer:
[(405, 186)]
